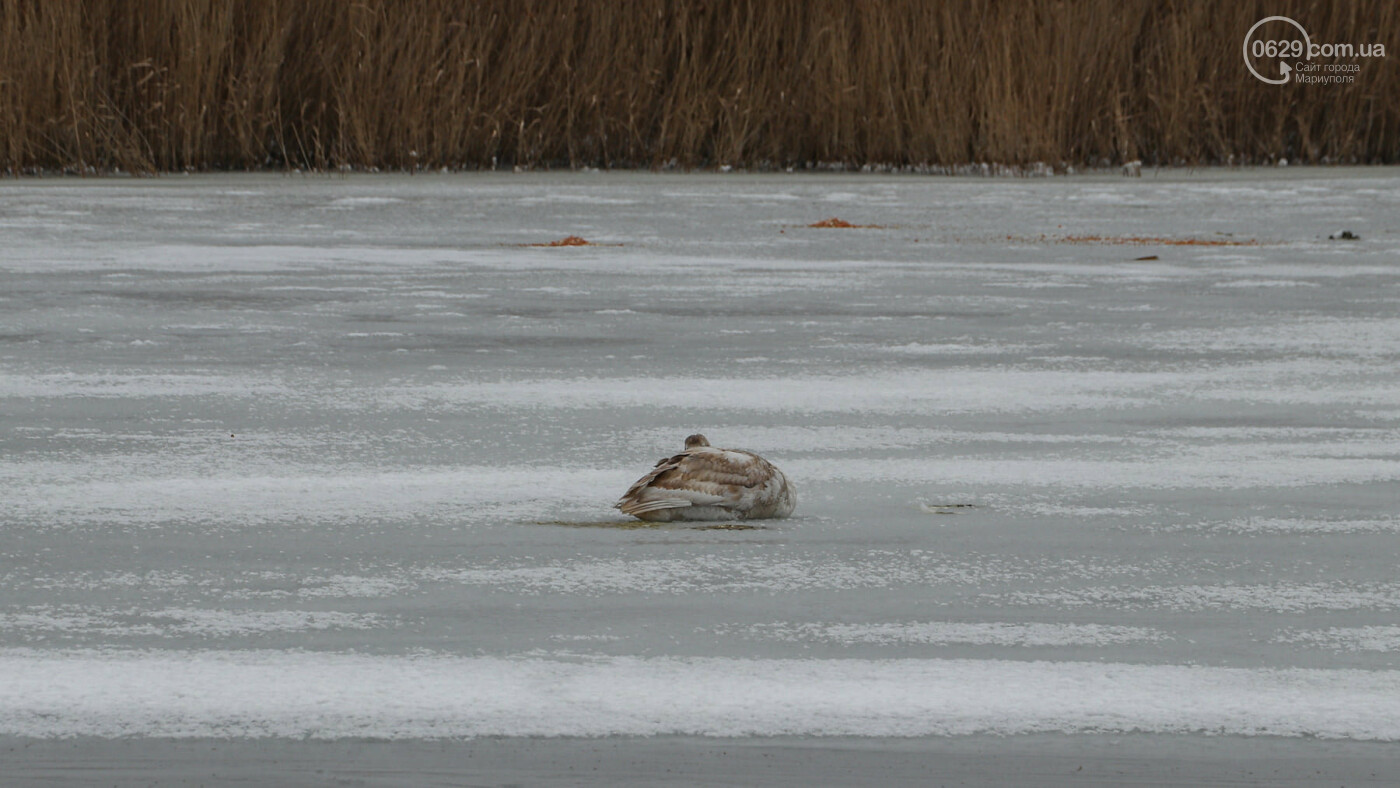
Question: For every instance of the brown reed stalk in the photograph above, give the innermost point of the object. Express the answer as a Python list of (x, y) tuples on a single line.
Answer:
[(160, 85)]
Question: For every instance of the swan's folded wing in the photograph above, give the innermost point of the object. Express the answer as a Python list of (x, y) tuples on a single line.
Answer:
[(699, 477)]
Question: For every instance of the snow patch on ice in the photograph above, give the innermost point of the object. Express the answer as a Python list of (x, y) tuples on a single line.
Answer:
[(80, 384), (961, 390), (981, 633), (1280, 598), (1251, 283), (729, 573), (838, 439), (343, 695), (344, 203), (1373, 638), (1292, 525), (1338, 337), (1047, 509), (300, 495), (1225, 467), (948, 348), (949, 391), (358, 586), (229, 623), (47, 621)]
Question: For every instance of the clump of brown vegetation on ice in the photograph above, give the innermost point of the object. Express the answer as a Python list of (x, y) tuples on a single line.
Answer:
[(834, 222)]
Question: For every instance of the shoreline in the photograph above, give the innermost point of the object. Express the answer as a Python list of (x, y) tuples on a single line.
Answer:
[(975, 171)]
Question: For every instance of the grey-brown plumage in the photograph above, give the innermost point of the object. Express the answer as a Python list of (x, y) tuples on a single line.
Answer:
[(705, 483)]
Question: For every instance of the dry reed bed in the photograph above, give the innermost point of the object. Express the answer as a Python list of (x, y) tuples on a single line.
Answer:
[(175, 84)]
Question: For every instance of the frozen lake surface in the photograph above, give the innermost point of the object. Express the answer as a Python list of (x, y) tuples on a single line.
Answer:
[(334, 457)]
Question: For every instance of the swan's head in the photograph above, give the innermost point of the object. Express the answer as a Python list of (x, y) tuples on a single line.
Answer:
[(695, 441)]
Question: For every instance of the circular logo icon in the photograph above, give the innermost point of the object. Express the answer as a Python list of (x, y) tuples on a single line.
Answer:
[(1280, 49)]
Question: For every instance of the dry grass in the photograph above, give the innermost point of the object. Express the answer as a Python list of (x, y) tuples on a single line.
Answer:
[(174, 84)]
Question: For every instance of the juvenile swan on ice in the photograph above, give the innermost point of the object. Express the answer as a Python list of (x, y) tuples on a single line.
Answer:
[(705, 483)]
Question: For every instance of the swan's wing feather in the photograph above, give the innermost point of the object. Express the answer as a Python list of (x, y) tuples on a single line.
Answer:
[(642, 507), (662, 466), (654, 499), (699, 477)]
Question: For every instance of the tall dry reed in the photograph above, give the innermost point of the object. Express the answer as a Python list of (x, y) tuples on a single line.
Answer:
[(158, 85)]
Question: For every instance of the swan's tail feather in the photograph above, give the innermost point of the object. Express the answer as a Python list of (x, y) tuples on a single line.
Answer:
[(635, 507)]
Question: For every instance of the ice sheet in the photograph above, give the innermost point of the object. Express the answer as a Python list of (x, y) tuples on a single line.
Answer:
[(350, 444)]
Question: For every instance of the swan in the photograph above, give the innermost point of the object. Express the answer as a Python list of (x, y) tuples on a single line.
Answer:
[(705, 483)]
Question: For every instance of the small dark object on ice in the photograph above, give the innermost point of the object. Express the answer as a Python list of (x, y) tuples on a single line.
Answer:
[(1345, 235)]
